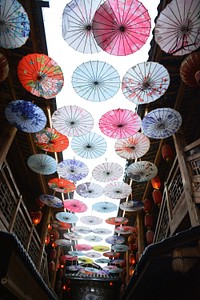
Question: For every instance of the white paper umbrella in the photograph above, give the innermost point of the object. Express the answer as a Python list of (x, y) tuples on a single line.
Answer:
[(132, 147), (63, 242), (117, 190), (72, 236), (120, 248), (89, 190), (145, 82), (42, 164), (131, 205), (91, 220), (177, 27), (102, 231), (81, 229), (93, 238), (95, 81), (93, 254), (161, 123), (51, 201), (66, 217), (107, 171), (90, 145), (104, 207), (115, 239), (72, 169), (142, 171), (72, 120)]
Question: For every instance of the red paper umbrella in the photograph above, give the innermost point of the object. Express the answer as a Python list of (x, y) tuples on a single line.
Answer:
[(75, 206), (121, 27), (61, 185), (119, 123), (190, 69), (132, 147), (51, 140), (83, 247), (111, 254), (117, 221), (40, 75)]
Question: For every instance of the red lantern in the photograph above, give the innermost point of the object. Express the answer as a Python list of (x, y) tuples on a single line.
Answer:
[(62, 259), (4, 67), (148, 221), (157, 196), (131, 259), (132, 237), (47, 239), (167, 152), (53, 254), (36, 217), (156, 183), (147, 205), (54, 234), (149, 236), (132, 247), (190, 70), (131, 271)]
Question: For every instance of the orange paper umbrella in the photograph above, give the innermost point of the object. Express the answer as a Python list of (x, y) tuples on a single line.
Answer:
[(61, 185), (40, 75)]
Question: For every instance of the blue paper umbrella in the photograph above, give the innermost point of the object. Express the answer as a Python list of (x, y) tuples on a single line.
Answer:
[(107, 171), (95, 81), (66, 217), (131, 205), (51, 201), (89, 190), (142, 171), (102, 260), (72, 169), (76, 253), (161, 123), (90, 145), (42, 164), (104, 207), (115, 239), (15, 25), (25, 116)]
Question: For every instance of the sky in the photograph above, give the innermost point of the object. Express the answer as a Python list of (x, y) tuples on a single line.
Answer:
[(69, 60)]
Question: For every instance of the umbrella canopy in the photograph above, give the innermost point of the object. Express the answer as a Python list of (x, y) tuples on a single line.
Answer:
[(102, 260), (85, 260), (91, 220), (118, 261), (117, 190), (120, 248), (62, 242), (101, 248), (161, 123), (77, 25), (95, 81), (73, 268), (92, 270), (125, 229), (15, 25), (90, 145), (107, 171), (83, 247), (50, 140), (111, 254), (72, 236), (51, 201), (66, 217), (72, 120), (145, 82), (132, 147), (121, 27), (177, 27), (93, 255), (102, 231), (81, 229), (104, 207), (114, 270), (42, 164), (131, 205), (25, 116), (40, 75), (190, 70), (72, 169), (115, 239), (76, 253), (61, 185), (117, 221), (89, 190), (119, 123), (74, 205), (93, 238), (71, 258), (142, 171)]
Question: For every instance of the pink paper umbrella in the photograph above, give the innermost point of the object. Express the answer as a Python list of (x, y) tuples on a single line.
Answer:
[(75, 206), (83, 247), (120, 123), (121, 27)]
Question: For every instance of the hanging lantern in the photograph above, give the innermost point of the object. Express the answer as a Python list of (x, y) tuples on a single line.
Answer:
[(132, 247), (167, 153), (36, 217), (131, 270), (53, 254), (156, 183), (148, 221), (132, 259), (132, 237), (4, 67), (49, 227), (190, 70), (147, 205), (62, 259), (52, 266), (149, 236), (157, 196), (54, 235), (47, 239)]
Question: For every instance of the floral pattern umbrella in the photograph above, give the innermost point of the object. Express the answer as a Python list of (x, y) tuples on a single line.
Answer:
[(117, 190), (125, 229), (93, 238), (40, 75), (104, 207), (81, 229), (107, 171), (95, 81), (90, 145), (177, 27), (132, 147), (72, 169), (15, 24), (91, 220), (66, 217), (51, 140), (25, 116), (119, 123), (145, 82), (120, 248), (72, 120), (131, 205), (117, 221), (42, 164), (71, 258), (61, 185), (51, 201), (142, 171), (190, 70), (72, 236), (77, 25), (93, 254), (89, 190), (102, 231), (121, 27), (161, 123), (75, 206), (111, 254), (101, 248), (115, 239), (83, 247)]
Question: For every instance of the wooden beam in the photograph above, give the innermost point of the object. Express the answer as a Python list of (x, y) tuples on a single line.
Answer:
[(6, 139)]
